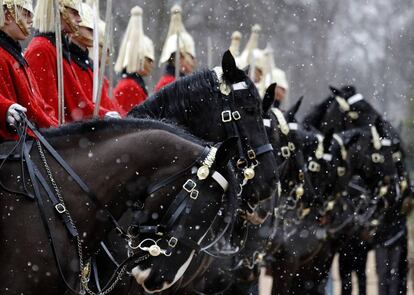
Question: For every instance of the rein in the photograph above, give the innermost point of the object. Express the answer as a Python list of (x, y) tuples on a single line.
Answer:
[(58, 203)]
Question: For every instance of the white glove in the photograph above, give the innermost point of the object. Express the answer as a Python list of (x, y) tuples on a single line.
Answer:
[(113, 114), (13, 114)]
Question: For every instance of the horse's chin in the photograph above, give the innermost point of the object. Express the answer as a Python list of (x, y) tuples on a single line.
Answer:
[(142, 276)]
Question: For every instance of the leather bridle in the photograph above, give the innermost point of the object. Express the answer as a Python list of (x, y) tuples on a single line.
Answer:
[(247, 154)]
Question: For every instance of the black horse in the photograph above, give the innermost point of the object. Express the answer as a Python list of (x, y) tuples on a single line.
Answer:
[(346, 109), (239, 272), (215, 105), (120, 161)]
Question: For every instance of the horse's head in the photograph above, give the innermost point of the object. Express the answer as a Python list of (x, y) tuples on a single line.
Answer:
[(182, 215), (351, 109), (373, 154), (343, 109), (218, 104), (241, 115)]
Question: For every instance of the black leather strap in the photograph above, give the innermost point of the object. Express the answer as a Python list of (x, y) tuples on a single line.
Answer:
[(159, 185), (263, 149), (54, 201), (43, 215), (75, 177), (96, 274)]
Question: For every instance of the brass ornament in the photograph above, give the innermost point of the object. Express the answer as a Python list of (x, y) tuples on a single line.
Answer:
[(375, 222), (383, 191), (305, 212), (154, 250), (249, 173), (203, 172), (299, 192), (330, 206), (353, 115), (225, 89), (403, 185)]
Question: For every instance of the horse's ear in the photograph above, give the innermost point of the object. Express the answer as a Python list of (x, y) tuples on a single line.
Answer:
[(246, 70), (231, 72), (293, 110), (327, 140), (379, 124), (226, 150), (335, 91), (268, 98), (352, 140)]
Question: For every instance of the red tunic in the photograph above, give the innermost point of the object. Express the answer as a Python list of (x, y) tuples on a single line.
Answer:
[(130, 91), (18, 85), (164, 81), (167, 78), (41, 55), (83, 67)]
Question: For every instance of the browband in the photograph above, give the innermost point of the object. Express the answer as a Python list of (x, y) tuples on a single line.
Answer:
[(355, 98)]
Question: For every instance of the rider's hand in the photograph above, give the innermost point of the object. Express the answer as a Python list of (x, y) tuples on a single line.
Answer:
[(14, 114), (113, 114)]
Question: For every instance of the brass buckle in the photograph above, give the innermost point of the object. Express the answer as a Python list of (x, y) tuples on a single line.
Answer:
[(301, 175), (60, 208), (194, 194), (377, 158), (189, 185), (172, 242), (285, 151), (226, 116), (341, 171), (236, 115), (396, 157), (314, 167), (241, 163), (251, 154)]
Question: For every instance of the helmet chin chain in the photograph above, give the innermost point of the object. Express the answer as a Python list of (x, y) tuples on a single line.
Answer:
[(73, 28), (22, 26), (25, 30), (86, 42)]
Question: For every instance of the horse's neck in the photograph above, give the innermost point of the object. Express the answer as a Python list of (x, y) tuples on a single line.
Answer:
[(163, 107), (119, 169)]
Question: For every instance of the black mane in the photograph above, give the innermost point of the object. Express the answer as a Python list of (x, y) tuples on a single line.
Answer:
[(173, 100), (116, 125)]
